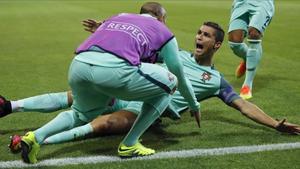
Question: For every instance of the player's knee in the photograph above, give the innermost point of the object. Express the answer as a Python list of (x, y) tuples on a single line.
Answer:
[(236, 36), (67, 116), (107, 126), (253, 33)]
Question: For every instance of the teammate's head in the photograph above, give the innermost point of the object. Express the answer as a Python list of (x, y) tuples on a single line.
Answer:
[(207, 41), (154, 9)]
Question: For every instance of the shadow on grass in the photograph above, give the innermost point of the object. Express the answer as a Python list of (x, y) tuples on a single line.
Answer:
[(15, 131), (253, 125), (261, 81), (156, 137)]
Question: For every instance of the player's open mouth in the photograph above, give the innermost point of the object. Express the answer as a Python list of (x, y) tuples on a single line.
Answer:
[(199, 46)]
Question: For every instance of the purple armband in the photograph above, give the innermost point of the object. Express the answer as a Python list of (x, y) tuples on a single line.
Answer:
[(227, 95)]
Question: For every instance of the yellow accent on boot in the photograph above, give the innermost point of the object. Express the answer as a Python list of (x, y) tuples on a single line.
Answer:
[(137, 150), (30, 148)]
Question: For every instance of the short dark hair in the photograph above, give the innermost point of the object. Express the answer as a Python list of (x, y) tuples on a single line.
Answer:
[(153, 8), (218, 28)]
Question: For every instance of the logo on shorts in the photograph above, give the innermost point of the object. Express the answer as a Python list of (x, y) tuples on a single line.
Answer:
[(206, 76)]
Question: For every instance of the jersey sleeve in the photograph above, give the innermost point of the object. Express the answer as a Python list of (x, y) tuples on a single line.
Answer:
[(171, 59), (227, 93)]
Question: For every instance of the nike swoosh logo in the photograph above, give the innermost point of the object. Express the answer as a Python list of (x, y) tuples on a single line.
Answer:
[(123, 149)]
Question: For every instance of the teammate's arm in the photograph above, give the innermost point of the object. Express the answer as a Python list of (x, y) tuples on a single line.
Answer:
[(170, 56)]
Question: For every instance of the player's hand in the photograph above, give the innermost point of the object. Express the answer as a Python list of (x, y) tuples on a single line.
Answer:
[(91, 25), (197, 115), (286, 127)]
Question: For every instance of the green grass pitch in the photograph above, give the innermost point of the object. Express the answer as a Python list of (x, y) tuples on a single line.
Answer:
[(37, 42)]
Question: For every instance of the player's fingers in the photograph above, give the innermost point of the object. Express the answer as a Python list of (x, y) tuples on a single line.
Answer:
[(86, 25), (197, 118), (89, 30), (294, 130), (90, 20), (86, 21), (298, 130), (282, 121)]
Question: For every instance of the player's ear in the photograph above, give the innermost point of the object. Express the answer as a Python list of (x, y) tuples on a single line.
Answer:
[(162, 19), (217, 45)]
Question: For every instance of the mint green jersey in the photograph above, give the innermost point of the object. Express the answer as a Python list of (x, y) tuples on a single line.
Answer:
[(206, 82)]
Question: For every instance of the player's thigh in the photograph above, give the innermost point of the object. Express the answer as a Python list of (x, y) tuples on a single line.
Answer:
[(87, 101), (261, 19), (239, 18), (236, 36), (152, 80), (239, 23)]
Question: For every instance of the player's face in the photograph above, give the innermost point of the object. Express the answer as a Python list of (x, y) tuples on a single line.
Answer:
[(205, 41)]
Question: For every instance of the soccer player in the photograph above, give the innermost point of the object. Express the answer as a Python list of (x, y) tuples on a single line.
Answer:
[(249, 18), (206, 81), (108, 65)]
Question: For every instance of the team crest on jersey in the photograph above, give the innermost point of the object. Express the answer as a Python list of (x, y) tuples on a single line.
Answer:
[(206, 76)]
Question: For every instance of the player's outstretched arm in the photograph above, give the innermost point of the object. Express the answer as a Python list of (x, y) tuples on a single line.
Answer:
[(256, 114)]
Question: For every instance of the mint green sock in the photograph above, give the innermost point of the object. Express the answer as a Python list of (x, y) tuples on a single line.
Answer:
[(253, 58), (44, 103), (147, 116), (63, 121), (75, 133), (239, 49)]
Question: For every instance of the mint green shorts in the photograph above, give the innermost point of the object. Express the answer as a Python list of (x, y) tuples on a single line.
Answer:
[(254, 13), (135, 107), (96, 78)]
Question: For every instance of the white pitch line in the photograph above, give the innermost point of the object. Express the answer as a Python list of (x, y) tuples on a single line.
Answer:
[(160, 155)]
